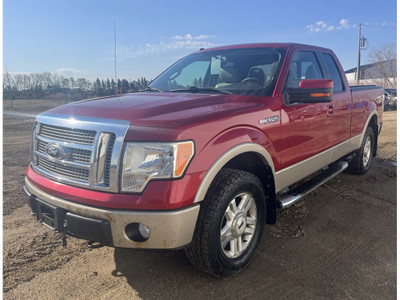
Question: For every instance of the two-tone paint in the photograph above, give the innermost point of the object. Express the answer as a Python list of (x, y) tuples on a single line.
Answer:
[(293, 141)]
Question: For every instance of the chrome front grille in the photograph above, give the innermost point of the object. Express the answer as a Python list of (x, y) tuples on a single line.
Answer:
[(66, 172), (80, 155), (108, 161), (77, 155), (63, 134), (81, 151)]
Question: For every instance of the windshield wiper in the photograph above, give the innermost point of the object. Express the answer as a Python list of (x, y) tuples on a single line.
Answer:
[(195, 89), (151, 89)]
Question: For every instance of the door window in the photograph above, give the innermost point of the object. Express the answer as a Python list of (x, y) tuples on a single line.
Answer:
[(333, 72), (304, 66)]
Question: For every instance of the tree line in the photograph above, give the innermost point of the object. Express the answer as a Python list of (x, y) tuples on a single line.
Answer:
[(52, 85)]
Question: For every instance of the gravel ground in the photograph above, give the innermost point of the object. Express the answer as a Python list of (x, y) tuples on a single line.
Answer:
[(339, 242)]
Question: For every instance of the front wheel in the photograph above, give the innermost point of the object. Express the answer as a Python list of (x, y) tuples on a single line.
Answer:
[(230, 225), (362, 161)]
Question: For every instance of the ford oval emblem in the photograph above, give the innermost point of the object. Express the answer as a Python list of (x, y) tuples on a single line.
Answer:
[(55, 151)]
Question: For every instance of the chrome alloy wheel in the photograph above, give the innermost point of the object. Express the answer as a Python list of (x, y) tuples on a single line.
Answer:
[(238, 225), (367, 151)]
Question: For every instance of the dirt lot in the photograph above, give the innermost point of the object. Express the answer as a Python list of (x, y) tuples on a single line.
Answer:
[(340, 242)]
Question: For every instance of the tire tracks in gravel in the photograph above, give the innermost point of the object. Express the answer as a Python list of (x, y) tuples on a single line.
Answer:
[(38, 249)]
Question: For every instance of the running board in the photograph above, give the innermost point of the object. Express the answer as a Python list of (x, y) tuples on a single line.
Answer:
[(296, 194)]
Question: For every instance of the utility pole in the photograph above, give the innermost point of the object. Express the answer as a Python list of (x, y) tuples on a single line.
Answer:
[(358, 54), (115, 58), (361, 45)]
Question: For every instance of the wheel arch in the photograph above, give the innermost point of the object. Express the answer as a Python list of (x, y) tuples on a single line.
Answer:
[(248, 157), (373, 123)]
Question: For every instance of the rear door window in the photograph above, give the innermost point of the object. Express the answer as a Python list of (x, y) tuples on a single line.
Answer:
[(333, 72)]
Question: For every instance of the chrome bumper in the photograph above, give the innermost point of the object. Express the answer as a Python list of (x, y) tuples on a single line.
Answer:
[(168, 229)]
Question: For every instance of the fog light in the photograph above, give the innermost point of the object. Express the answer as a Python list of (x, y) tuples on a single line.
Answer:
[(137, 232), (144, 231)]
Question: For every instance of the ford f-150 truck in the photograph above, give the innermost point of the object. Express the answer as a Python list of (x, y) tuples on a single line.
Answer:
[(204, 157)]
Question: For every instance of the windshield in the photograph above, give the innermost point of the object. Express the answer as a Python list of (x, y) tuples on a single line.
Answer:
[(251, 71)]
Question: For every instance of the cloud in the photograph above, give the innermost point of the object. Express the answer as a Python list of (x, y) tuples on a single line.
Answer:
[(344, 24), (385, 24), (321, 26), (175, 42), (69, 72), (191, 37)]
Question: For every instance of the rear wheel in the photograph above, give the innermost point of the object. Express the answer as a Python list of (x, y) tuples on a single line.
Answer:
[(362, 161), (230, 224)]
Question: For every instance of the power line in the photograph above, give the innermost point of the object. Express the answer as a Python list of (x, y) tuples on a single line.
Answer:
[(361, 44), (382, 26), (350, 36)]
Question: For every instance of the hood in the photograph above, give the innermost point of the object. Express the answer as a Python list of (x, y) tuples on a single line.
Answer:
[(150, 113), (153, 108)]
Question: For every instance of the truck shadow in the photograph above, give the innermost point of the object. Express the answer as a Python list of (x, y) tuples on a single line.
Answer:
[(159, 274), (169, 275)]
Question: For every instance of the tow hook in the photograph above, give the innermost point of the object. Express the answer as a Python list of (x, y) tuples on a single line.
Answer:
[(94, 245), (64, 236)]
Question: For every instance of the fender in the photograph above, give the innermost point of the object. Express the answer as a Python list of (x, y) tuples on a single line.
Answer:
[(356, 141), (227, 156), (370, 112), (245, 140)]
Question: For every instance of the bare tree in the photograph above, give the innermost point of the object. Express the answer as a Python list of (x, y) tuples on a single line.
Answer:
[(8, 81), (46, 84), (19, 79), (384, 71)]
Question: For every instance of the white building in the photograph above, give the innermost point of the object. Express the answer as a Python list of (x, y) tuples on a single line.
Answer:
[(380, 73)]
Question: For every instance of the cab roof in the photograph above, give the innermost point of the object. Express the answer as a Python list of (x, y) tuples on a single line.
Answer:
[(288, 46)]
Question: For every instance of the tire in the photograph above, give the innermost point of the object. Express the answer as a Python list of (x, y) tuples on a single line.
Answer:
[(361, 163), (232, 214)]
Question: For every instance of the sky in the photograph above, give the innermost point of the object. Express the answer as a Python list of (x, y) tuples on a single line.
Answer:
[(76, 38)]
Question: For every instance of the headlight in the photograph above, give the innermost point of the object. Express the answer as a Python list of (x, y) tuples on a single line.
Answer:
[(143, 162)]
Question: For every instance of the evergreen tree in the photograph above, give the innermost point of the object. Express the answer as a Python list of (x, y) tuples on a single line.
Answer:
[(97, 87), (112, 87), (108, 87), (124, 86), (119, 86), (133, 87), (103, 88)]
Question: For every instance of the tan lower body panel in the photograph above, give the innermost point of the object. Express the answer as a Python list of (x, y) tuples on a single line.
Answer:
[(293, 174), (168, 230)]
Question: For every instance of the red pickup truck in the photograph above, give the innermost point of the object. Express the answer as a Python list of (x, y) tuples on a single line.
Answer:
[(204, 157)]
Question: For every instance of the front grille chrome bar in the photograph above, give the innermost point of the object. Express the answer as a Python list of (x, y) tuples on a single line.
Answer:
[(63, 162), (67, 144), (90, 150), (105, 143)]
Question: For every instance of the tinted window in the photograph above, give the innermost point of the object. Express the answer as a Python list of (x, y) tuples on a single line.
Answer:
[(191, 75), (333, 72), (248, 71), (304, 66)]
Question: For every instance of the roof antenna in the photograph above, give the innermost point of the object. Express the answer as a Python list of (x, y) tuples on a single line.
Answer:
[(115, 58)]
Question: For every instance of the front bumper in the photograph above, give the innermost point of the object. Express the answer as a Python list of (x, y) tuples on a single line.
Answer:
[(170, 229)]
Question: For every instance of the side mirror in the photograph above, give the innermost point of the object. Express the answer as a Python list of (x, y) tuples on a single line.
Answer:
[(311, 91)]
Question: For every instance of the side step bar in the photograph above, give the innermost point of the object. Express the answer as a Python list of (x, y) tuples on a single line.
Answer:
[(296, 194)]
